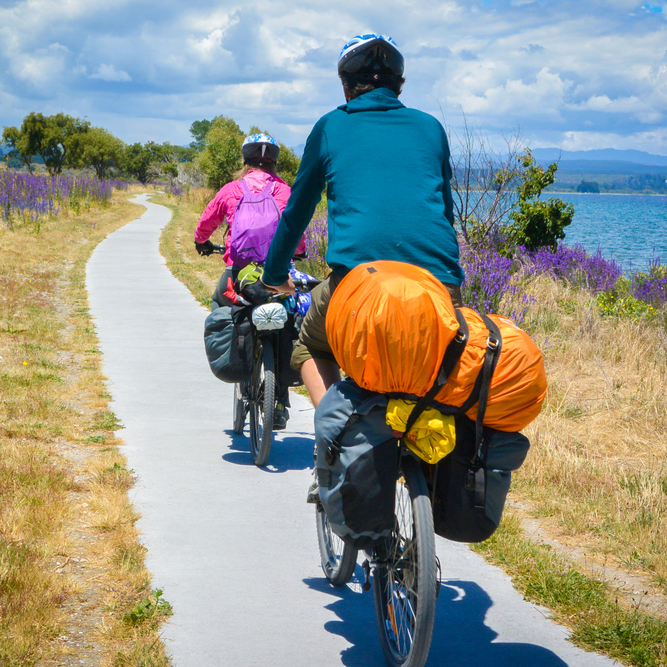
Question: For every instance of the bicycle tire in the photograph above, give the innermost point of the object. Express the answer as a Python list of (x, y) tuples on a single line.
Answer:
[(338, 559), (263, 404), (404, 581), (239, 410)]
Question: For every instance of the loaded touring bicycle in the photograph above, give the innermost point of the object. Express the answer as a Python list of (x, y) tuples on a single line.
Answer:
[(398, 464)]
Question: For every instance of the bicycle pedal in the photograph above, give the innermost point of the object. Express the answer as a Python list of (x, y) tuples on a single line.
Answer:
[(366, 567)]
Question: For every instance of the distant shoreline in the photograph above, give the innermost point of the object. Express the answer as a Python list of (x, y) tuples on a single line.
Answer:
[(612, 194)]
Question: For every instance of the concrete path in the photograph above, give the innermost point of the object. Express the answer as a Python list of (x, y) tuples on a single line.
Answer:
[(234, 547)]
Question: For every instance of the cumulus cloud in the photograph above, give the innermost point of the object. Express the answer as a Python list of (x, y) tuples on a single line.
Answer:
[(541, 97), (594, 69), (110, 73)]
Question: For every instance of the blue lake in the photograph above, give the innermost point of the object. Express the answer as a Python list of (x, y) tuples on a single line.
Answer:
[(632, 229)]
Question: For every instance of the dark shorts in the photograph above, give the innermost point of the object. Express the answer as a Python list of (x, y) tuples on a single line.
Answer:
[(313, 343)]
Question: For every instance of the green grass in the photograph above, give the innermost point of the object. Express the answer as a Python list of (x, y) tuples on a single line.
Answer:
[(586, 605)]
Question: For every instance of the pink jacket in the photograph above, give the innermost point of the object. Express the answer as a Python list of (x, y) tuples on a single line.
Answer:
[(223, 206)]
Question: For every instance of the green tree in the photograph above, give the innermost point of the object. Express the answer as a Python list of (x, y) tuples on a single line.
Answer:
[(535, 223), (16, 142), (589, 187), (199, 129), (221, 156), (180, 153), (101, 151), (288, 164), (141, 162), (56, 139)]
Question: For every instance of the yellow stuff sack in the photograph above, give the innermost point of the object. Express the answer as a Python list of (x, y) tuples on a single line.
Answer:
[(432, 436)]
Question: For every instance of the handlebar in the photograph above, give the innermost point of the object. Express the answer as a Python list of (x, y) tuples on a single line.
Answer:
[(305, 285)]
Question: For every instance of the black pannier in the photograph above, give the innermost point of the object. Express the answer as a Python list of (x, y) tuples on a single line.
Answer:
[(457, 514)]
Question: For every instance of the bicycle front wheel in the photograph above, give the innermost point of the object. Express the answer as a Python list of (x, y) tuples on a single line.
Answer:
[(338, 559), (263, 403), (404, 580)]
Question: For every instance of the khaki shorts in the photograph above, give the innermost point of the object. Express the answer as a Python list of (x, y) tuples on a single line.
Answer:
[(313, 343)]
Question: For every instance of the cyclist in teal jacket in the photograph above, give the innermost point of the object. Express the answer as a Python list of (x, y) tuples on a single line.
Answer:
[(386, 169)]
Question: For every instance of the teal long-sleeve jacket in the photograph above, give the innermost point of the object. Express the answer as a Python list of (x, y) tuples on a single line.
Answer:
[(387, 172)]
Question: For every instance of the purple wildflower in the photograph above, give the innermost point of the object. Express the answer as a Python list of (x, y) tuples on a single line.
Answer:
[(574, 265), (651, 287), (27, 197), (489, 278)]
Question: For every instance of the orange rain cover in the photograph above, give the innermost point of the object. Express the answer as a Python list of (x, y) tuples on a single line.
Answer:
[(519, 383), (389, 324)]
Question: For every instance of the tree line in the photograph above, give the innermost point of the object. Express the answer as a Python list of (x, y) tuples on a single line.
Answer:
[(64, 142)]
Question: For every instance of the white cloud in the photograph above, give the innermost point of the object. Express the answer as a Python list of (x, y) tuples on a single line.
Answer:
[(110, 73), (542, 97), (654, 141), (594, 69)]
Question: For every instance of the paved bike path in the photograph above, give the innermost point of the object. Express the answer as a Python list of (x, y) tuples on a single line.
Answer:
[(234, 547)]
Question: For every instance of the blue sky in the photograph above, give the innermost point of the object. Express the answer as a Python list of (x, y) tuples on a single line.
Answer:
[(570, 73)]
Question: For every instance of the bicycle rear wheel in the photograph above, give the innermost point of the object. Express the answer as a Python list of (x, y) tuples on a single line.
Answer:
[(262, 402), (404, 580), (240, 409), (338, 559)]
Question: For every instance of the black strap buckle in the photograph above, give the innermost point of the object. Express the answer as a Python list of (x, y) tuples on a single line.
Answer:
[(331, 454)]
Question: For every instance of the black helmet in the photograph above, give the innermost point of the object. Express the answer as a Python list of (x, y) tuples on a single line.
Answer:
[(260, 146), (371, 54)]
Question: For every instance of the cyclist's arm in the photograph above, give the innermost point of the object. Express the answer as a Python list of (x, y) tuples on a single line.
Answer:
[(306, 193), (213, 216)]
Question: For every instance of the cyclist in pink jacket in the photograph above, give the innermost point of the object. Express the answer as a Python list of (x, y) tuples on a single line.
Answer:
[(260, 155)]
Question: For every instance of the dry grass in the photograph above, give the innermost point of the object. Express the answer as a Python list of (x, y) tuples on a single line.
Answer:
[(597, 472), (71, 565)]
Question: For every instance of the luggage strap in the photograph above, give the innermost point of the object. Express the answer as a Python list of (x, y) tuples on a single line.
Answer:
[(476, 475), (239, 314), (452, 355)]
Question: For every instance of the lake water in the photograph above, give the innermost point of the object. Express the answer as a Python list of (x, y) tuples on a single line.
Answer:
[(632, 229)]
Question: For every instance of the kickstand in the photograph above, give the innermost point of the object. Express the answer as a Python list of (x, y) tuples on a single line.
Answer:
[(366, 567)]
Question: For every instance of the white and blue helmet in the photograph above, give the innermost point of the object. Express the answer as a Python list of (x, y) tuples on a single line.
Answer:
[(260, 146), (371, 54)]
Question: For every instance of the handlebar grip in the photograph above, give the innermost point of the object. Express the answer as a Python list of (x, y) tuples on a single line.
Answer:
[(306, 284)]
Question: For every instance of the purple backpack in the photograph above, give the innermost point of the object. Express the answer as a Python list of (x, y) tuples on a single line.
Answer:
[(255, 222)]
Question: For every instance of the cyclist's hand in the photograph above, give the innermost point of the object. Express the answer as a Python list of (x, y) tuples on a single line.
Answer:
[(205, 248), (285, 288)]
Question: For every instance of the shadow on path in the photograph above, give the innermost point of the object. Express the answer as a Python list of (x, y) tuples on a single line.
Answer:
[(289, 452), (460, 636)]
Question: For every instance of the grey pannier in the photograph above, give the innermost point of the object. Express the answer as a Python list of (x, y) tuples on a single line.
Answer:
[(357, 464), (228, 339)]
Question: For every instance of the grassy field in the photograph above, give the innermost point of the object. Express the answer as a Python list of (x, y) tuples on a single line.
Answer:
[(73, 586), (586, 529)]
